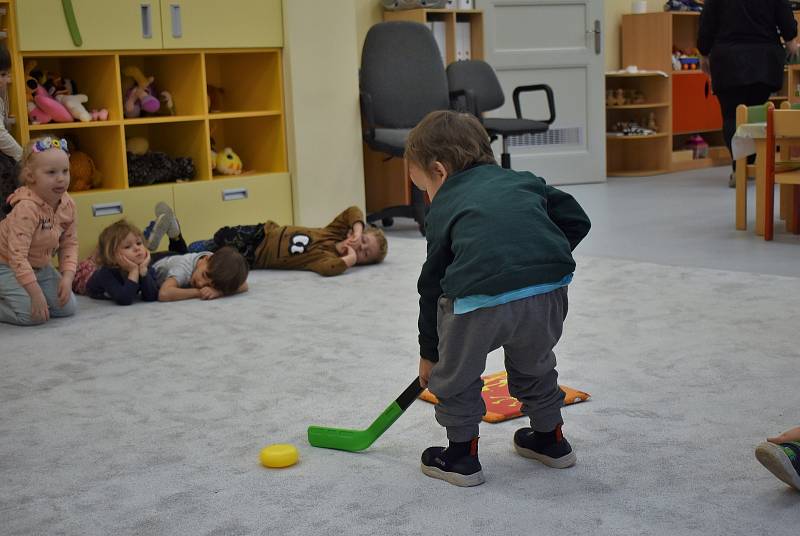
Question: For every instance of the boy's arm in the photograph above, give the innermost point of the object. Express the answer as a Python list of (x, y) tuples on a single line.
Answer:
[(170, 291), (328, 265), (430, 290), (345, 221), (568, 215), (8, 144)]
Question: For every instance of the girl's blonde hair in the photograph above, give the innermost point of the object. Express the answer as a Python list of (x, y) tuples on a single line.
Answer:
[(110, 239)]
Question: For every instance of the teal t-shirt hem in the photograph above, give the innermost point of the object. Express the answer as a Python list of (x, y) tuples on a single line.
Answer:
[(480, 301)]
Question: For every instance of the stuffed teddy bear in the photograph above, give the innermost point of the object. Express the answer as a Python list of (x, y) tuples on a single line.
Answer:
[(83, 173)]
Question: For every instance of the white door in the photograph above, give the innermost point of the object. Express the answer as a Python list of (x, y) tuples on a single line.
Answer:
[(559, 43)]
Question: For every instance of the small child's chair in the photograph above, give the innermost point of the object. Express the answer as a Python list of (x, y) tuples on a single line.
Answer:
[(782, 124)]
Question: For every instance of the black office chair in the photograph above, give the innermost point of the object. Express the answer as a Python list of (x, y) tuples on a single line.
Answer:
[(402, 79), (478, 82)]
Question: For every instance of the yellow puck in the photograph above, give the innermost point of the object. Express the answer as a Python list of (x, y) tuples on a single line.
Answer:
[(278, 455)]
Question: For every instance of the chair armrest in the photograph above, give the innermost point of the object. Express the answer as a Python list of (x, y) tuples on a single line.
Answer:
[(551, 101), (470, 101), (367, 115)]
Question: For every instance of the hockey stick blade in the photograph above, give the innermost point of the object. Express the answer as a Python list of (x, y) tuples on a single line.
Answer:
[(357, 440)]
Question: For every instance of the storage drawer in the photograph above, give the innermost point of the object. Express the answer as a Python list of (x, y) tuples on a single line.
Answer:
[(98, 210), (103, 25), (215, 24), (204, 207), (694, 107)]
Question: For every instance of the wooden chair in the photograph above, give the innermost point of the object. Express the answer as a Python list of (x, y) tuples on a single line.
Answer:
[(782, 124), (745, 114)]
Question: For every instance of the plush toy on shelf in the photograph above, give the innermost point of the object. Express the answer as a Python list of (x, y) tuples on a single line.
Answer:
[(215, 96), (42, 108), (74, 103), (228, 162), (83, 173), (137, 145), (140, 97), (155, 167)]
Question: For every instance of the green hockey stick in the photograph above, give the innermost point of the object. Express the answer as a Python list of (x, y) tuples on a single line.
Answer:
[(356, 440), (72, 23)]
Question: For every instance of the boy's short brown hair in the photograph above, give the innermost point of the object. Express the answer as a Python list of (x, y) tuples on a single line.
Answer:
[(455, 139), (110, 239), (383, 245), (227, 270)]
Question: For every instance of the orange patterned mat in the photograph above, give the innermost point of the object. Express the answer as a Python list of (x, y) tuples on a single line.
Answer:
[(500, 405)]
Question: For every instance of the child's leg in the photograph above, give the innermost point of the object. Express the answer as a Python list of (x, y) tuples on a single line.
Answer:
[(464, 342), (244, 238), (49, 280), (178, 245), (533, 380), (15, 303)]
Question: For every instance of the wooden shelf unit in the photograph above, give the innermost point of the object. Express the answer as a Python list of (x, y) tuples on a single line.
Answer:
[(251, 121), (647, 42), (639, 155)]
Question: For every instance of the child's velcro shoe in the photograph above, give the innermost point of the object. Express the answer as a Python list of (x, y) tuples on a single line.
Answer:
[(458, 469), (782, 460), (550, 448)]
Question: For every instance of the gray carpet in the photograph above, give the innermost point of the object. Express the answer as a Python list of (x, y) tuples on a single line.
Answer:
[(148, 420)]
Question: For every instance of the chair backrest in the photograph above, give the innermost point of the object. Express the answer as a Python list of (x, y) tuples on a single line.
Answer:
[(478, 77), (784, 123), (403, 73)]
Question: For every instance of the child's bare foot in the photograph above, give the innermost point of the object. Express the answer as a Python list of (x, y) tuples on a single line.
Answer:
[(787, 436)]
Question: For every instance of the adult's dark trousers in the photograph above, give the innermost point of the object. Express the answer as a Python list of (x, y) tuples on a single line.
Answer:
[(730, 98)]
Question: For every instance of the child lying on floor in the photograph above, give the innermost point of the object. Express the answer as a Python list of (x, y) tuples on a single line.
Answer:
[(328, 251), (781, 456), (121, 267)]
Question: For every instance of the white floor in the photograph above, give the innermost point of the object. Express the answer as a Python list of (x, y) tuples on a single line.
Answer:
[(148, 420)]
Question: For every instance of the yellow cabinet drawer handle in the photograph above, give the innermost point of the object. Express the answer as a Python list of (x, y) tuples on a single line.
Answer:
[(234, 194), (106, 209)]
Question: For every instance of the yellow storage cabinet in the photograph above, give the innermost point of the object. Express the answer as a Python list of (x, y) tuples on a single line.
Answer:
[(204, 207), (103, 25), (98, 210), (221, 24)]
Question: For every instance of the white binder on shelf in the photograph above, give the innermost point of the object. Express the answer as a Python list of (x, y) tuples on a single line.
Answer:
[(439, 30), (463, 41)]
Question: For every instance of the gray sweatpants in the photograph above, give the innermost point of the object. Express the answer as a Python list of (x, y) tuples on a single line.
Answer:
[(15, 303), (527, 329)]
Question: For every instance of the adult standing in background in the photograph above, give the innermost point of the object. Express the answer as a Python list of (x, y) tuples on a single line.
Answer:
[(742, 48)]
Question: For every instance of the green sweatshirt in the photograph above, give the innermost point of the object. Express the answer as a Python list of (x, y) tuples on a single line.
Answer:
[(492, 230)]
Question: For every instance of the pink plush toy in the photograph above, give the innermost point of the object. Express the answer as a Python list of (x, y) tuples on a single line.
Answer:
[(49, 105)]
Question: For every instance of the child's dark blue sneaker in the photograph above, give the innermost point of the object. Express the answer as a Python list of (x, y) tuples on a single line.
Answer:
[(457, 464), (550, 448), (782, 460)]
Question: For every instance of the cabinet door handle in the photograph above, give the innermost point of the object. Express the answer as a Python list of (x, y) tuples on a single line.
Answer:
[(147, 21), (106, 209), (175, 16), (234, 194)]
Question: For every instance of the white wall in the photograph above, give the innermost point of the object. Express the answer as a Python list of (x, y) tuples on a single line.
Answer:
[(323, 119)]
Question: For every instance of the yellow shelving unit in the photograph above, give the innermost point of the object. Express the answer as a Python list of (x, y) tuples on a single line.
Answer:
[(250, 118)]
